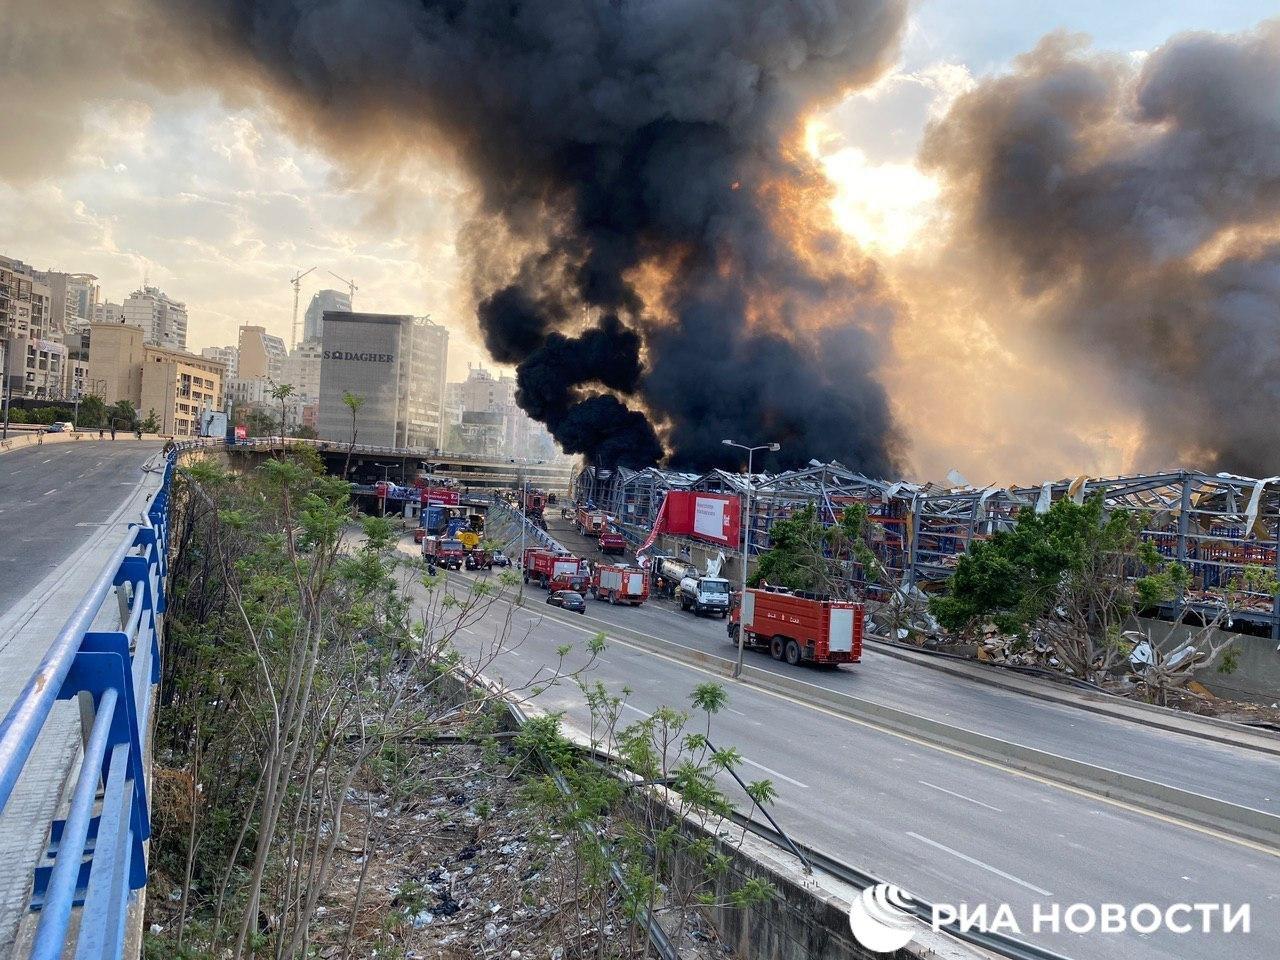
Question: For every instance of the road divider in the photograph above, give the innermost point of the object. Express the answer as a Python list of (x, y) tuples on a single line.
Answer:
[(1236, 820)]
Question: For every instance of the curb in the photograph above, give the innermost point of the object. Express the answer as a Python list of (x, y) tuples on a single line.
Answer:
[(1161, 718), (1240, 821)]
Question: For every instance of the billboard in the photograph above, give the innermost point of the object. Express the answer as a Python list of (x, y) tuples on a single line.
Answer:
[(441, 495), (706, 516)]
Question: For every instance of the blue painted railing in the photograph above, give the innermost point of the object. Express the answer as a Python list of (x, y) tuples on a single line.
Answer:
[(96, 856)]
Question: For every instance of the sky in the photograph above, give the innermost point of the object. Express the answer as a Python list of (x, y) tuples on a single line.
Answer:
[(216, 203)]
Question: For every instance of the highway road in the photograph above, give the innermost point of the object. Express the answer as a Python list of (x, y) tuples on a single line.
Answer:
[(53, 497), (1213, 769), (945, 826)]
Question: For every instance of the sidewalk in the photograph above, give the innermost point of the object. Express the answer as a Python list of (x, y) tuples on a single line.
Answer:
[(26, 632)]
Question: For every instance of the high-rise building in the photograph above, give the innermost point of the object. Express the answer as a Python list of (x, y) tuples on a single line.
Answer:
[(261, 354), (107, 312), (34, 361), (324, 301), (163, 320), (175, 386), (228, 355), (72, 299), (302, 369), (396, 365)]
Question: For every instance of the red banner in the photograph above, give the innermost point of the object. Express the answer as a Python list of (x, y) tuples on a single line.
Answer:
[(441, 495), (716, 517)]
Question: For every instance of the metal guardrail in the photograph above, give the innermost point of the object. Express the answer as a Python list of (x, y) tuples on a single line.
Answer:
[(99, 859), (533, 533), (422, 453)]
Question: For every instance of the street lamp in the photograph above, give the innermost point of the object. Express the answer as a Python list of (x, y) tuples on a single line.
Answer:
[(746, 541), (524, 517)]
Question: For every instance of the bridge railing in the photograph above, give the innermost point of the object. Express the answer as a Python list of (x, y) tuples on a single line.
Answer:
[(97, 851)]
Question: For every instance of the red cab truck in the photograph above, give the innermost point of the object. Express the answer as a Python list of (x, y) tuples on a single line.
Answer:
[(444, 552), (554, 571), (618, 583), (591, 523), (612, 543), (799, 627)]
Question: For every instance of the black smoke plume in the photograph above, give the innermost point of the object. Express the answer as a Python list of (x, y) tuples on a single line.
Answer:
[(1138, 209), (619, 140)]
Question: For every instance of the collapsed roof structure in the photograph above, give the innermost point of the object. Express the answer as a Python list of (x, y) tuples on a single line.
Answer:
[(1214, 524)]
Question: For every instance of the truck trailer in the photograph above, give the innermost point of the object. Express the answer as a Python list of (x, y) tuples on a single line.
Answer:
[(444, 552), (619, 583), (591, 523), (799, 627), (612, 543)]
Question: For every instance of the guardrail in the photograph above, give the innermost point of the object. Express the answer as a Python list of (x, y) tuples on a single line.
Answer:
[(533, 533), (99, 860)]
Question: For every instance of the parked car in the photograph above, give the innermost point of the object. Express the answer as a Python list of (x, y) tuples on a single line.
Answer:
[(500, 559), (567, 600), (56, 427)]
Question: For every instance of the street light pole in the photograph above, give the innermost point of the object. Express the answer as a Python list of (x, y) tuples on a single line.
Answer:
[(746, 543)]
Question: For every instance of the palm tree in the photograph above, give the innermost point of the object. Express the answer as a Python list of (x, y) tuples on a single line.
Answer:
[(353, 402), (282, 392)]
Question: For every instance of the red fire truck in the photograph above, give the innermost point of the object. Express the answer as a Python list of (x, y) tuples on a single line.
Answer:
[(554, 571), (613, 543), (444, 552), (619, 583), (535, 502), (591, 523), (799, 627)]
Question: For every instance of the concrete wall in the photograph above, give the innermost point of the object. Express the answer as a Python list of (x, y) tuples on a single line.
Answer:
[(1257, 678)]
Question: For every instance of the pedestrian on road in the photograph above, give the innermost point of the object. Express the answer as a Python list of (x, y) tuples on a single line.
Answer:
[(99, 433), (40, 437), (113, 429), (138, 432)]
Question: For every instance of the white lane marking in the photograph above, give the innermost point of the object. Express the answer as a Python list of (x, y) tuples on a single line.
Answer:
[(627, 706), (47, 492), (738, 712), (50, 460), (960, 796), (780, 776), (978, 863)]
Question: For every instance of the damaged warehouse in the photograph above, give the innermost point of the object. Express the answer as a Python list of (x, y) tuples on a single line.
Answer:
[(1216, 526)]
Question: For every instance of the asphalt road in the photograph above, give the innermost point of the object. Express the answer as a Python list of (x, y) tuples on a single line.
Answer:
[(1240, 776), (52, 497), (945, 826)]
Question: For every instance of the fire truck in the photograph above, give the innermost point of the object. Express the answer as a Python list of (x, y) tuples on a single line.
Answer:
[(799, 627), (614, 543), (535, 502), (554, 571), (444, 552), (591, 523), (619, 583)]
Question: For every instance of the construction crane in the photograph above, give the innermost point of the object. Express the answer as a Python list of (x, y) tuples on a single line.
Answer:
[(351, 288), (297, 293)]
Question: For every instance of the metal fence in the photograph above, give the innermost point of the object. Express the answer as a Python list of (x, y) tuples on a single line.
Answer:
[(97, 852)]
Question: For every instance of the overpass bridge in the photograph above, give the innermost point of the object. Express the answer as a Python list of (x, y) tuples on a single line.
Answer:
[(403, 465)]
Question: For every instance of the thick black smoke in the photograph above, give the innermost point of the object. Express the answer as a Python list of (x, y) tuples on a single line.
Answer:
[(638, 150), (1139, 210)]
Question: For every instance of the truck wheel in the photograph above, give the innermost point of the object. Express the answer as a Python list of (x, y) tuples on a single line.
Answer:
[(613, 599), (776, 647), (793, 653)]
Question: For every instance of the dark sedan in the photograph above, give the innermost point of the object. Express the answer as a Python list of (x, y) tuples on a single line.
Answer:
[(567, 600)]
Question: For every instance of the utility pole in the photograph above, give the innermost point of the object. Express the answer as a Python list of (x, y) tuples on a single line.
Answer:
[(746, 543), (297, 294)]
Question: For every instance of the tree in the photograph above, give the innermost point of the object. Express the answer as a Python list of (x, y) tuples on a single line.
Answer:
[(353, 402), (258, 422), (122, 414), (805, 554), (1072, 576), (93, 412), (282, 392), (151, 424)]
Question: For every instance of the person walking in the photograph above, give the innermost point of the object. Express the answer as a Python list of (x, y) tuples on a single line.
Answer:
[(113, 429), (99, 433), (40, 437)]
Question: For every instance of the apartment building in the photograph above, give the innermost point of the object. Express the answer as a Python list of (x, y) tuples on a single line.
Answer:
[(163, 320), (260, 354)]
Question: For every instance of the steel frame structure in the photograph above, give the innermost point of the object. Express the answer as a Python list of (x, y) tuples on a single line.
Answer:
[(1215, 524)]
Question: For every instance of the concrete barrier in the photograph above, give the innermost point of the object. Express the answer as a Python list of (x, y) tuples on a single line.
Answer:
[(1245, 822)]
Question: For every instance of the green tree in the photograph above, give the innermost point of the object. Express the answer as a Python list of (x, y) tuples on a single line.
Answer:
[(93, 412), (122, 415), (282, 392), (258, 421), (151, 424), (353, 402), (805, 554), (1074, 573)]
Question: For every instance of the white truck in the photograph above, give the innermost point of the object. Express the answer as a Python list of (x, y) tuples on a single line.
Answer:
[(705, 595)]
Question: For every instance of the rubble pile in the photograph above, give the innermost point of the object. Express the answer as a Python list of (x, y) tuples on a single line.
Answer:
[(464, 867)]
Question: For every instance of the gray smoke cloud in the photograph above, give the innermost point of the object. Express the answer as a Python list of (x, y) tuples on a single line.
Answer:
[(641, 152), (1136, 208)]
